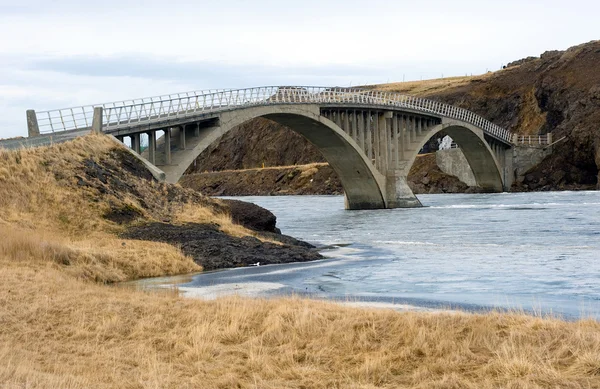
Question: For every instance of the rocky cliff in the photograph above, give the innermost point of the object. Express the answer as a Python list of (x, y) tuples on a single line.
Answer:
[(558, 92)]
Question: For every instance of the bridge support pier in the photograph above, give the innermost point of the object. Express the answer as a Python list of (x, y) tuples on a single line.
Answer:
[(397, 192), (152, 147), (167, 146), (182, 137), (135, 143)]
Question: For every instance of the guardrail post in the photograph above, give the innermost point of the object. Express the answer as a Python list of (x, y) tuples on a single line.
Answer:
[(32, 124), (97, 120), (549, 138)]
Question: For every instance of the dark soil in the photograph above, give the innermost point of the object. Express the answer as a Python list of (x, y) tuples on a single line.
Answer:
[(214, 249)]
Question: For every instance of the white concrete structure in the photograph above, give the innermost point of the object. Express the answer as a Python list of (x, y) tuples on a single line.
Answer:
[(370, 138)]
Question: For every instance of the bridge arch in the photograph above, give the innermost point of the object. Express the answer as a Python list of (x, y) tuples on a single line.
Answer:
[(363, 185), (486, 168)]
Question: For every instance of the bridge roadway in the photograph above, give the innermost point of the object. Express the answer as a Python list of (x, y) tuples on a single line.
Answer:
[(370, 138)]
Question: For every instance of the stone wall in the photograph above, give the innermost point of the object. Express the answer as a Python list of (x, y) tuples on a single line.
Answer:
[(525, 158)]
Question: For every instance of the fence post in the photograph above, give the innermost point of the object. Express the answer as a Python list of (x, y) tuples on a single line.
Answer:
[(97, 120), (549, 138), (32, 124)]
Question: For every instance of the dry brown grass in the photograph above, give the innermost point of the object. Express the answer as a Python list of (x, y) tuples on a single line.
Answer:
[(60, 332), (427, 87), (193, 214), (300, 167)]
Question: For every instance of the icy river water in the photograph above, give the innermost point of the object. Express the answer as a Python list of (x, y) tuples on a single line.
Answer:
[(537, 252)]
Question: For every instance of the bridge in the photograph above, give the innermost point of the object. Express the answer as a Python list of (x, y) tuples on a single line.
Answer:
[(370, 138)]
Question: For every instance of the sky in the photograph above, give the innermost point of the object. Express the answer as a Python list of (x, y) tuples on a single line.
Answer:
[(66, 53)]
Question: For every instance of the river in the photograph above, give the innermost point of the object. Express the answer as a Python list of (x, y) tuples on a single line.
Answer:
[(538, 252)]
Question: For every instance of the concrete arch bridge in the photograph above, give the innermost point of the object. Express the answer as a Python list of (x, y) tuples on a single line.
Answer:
[(370, 138)]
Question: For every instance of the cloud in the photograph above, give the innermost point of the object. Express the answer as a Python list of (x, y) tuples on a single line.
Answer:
[(67, 52)]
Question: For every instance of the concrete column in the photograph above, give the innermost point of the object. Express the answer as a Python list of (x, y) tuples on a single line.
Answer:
[(347, 128), (376, 140), (338, 118), (182, 137), (152, 147), (355, 126), (397, 144), (97, 120), (32, 124), (120, 138), (509, 173), (369, 136), (167, 146), (135, 143), (389, 117), (360, 134), (196, 130), (419, 124), (402, 130), (384, 140)]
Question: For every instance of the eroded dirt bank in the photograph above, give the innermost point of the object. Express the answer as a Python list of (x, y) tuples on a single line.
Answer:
[(312, 179)]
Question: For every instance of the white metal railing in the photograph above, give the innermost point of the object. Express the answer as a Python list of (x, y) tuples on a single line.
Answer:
[(156, 109), (532, 140)]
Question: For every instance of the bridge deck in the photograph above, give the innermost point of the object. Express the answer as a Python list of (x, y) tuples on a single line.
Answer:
[(134, 115)]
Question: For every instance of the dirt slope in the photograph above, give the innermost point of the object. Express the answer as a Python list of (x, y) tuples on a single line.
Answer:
[(312, 179)]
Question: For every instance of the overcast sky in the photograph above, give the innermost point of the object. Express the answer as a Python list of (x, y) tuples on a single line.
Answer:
[(62, 53)]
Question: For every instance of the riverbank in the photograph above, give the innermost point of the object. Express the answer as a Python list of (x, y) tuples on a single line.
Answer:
[(59, 331), (63, 210), (312, 179)]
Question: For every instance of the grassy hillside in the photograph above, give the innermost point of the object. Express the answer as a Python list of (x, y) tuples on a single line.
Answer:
[(70, 202)]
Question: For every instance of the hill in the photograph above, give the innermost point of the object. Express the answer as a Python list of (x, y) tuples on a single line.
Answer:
[(558, 92)]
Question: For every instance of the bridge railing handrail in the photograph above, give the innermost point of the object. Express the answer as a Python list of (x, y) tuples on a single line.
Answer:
[(160, 108)]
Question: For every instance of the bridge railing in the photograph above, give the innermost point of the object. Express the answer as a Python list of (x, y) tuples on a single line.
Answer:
[(162, 108), (532, 140)]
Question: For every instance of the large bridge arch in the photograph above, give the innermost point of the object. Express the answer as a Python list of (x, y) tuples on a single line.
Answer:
[(363, 185), (486, 168)]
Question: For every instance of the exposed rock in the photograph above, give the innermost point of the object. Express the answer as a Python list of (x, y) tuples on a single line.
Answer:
[(214, 249), (252, 216), (521, 61)]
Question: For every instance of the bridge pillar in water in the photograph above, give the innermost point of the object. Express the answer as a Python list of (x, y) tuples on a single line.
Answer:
[(397, 193)]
